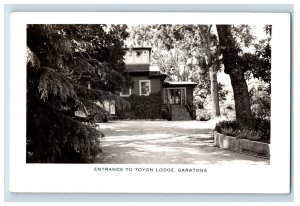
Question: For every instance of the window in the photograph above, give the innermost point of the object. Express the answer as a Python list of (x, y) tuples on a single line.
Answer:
[(137, 57), (145, 87), (125, 92)]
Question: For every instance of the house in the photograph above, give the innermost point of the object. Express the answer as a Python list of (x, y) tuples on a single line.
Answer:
[(152, 94), (146, 80)]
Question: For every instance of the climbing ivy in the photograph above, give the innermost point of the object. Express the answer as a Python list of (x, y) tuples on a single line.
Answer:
[(143, 107)]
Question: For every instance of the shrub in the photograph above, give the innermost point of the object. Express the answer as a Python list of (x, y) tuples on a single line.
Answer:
[(264, 126), (143, 107), (165, 114), (203, 104), (261, 131), (228, 131), (227, 125), (260, 99), (249, 134), (228, 112), (203, 115)]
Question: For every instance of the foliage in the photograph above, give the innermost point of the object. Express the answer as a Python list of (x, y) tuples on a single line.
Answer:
[(228, 111), (226, 125), (256, 60), (263, 125), (203, 102), (192, 52), (260, 99), (249, 134), (180, 51), (203, 114), (165, 114), (243, 35), (245, 133), (143, 107), (61, 61), (260, 132), (237, 62)]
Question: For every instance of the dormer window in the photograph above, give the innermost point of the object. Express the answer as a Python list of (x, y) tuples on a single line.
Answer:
[(137, 56)]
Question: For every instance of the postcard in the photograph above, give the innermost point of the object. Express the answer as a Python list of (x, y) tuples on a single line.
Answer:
[(149, 102)]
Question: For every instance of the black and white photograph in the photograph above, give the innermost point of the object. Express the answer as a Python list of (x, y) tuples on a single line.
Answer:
[(148, 93), (107, 102)]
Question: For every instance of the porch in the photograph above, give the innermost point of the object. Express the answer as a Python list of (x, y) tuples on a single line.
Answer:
[(178, 100)]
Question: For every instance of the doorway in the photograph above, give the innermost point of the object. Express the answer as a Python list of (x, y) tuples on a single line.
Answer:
[(174, 96)]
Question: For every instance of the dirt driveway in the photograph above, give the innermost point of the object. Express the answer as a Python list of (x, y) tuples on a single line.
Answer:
[(165, 142)]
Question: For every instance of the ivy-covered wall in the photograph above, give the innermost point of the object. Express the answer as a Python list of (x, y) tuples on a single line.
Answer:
[(143, 107)]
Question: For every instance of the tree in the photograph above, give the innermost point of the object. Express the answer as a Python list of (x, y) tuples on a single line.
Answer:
[(184, 52), (61, 61), (232, 66), (211, 54)]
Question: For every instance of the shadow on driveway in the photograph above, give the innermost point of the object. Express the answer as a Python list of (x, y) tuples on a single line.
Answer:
[(165, 142)]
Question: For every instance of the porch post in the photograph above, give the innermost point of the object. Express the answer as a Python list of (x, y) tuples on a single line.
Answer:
[(168, 96), (181, 96)]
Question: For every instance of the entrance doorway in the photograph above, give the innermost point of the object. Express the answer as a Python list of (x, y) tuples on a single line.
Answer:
[(174, 96)]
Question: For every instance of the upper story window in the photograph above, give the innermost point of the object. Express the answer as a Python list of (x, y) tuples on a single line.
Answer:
[(125, 92), (145, 87), (137, 57)]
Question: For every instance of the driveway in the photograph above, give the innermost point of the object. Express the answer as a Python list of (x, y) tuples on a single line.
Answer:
[(165, 142)]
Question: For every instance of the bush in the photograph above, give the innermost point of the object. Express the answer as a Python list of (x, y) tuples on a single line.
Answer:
[(143, 107), (260, 99), (263, 125), (249, 134), (228, 132), (203, 103), (227, 125), (228, 112), (203, 115), (261, 131), (165, 114)]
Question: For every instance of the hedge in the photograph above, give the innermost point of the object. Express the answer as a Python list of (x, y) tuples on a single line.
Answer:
[(143, 107), (261, 130)]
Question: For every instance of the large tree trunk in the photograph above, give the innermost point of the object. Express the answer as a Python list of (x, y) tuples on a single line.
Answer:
[(212, 73), (241, 98), (230, 51), (214, 91)]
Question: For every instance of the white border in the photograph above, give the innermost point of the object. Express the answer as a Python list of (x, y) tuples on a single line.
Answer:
[(219, 179)]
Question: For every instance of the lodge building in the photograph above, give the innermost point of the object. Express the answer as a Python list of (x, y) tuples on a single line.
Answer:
[(177, 97)]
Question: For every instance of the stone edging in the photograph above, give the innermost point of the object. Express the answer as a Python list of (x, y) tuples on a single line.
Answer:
[(241, 145)]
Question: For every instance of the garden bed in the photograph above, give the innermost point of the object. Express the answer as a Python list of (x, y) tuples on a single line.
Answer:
[(260, 131), (242, 145)]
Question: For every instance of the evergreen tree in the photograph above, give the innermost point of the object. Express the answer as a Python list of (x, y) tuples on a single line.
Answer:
[(62, 60)]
